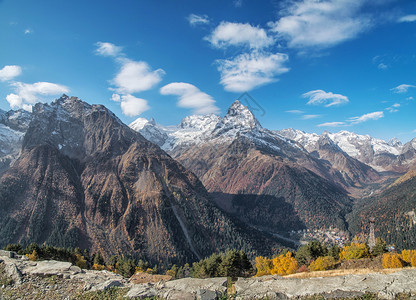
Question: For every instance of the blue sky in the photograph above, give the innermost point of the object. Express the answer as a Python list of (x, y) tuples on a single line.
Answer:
[(311, 65)]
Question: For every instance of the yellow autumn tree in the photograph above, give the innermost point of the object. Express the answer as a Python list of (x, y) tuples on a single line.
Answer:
[(264, 266), (407, 255), (392, 260), (98, 267), (284, 264), (355, 251), (34, 256), (322, 263), (413, 261)]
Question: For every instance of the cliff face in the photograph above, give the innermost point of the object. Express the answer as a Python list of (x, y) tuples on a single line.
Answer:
[(86, 179)]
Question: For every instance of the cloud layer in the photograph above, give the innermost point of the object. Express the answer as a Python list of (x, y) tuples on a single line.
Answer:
[(320, 97), (408, 18), (251, 70), (132, 106), (108, 49), (311, 23), (135, 77), (10, 72), (366, 117), (132, 77), (228, 34), (355, 120), (191, 97), (403, 88), (28, 94), (198, 19)]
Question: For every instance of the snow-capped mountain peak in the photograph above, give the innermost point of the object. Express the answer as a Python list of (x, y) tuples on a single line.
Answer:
[(138, 124), (239, 119), (241, 116), (395, 142)]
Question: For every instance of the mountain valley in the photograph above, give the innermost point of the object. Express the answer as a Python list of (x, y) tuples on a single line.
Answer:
[(73, 175)]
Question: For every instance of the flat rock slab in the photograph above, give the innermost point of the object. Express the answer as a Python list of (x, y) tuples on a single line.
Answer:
[(93, 280), (48, 268), (386, 286), (186, 288)]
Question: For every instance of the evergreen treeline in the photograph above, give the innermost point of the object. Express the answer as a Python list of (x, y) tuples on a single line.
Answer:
[(313, 256)]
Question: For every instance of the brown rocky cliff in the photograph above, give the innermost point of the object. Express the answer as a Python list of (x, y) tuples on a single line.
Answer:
[(85, 179)]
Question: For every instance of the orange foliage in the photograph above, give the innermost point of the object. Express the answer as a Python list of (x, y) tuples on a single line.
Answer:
[(98, 267), (413, 261), (392, 260), (284, 264), (355, 251), (407, 255), (34, 256), (322, 263)]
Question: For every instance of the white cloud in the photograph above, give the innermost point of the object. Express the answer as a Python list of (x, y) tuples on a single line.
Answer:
[(116, 97), (409, 98), (312, 23), (136, 76), (382, 66), (393, 108), (28, 31), (198, 19), (317, 97), (132, 106), (366, 117), (238, 34), (331, 124), (295, 111), (308, 117), (133, 77), (108, 49), (238, 3), (403, 88), (250, 70), (191, 97), (356, 120), (28, 94), (10, 72), (408, 18)]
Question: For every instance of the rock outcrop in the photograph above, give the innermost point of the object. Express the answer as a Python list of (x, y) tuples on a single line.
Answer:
[(384, 286), (19, 269)]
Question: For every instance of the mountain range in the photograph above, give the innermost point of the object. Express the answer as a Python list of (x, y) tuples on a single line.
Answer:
[(73, 175), (287, 179)]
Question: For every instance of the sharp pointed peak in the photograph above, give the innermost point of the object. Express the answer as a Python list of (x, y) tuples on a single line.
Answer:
[(241, 114)]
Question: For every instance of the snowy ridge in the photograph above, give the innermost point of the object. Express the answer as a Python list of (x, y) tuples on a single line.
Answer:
[(240, 122), (353, 143), (199, 129), (377, 153), (349, 142)]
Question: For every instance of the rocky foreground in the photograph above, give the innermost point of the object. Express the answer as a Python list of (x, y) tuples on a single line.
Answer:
[(24, 279)]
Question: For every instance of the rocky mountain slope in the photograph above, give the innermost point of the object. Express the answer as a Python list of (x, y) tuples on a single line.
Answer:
[(85, 179), (13, 125), (261, 177), (394, 212)]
